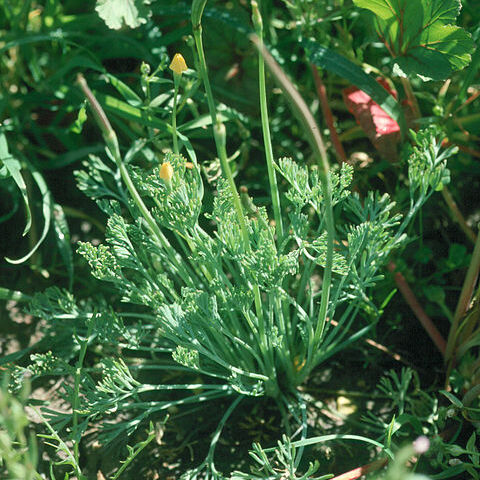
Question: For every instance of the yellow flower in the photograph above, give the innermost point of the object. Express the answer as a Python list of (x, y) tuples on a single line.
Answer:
[(166, 172), (178, 64)]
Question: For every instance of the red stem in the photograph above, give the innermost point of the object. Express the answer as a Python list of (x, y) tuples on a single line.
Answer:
[(457, 215), (358, 472), (417, 309), (327, 113)]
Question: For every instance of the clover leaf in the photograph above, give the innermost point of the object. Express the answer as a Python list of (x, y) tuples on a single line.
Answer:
[(420, 36)]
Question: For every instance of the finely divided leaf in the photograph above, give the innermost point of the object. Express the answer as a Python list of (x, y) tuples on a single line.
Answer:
[(420, 36)]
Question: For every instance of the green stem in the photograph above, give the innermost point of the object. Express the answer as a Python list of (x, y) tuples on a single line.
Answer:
[(111, 140), (267, 140), (220, 136), (7, 294), (76, 390), (464, 300), (300, 109), (220, 142), (135, 452), (176, 82), (218, 431)]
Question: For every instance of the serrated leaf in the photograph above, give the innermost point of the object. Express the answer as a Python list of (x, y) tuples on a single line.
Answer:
[(115, 12), (420, 35)]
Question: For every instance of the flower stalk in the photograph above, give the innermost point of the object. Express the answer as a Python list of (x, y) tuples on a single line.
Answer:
[(305, 117), (178, 66), (111, 140), (219, 133), (267, 140)]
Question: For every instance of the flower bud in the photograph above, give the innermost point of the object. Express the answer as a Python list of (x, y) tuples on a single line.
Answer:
[(178, 64), (166, 172), (145, 69)]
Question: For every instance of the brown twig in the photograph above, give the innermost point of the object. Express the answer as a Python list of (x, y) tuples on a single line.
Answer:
[(417, 309), (469, 100), (412, 100), (457, 215), (464, 300), (363, 470), (382, 348), (327, 113)]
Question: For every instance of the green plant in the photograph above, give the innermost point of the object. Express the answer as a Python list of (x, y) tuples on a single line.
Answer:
[(206, 294), (238, 304)]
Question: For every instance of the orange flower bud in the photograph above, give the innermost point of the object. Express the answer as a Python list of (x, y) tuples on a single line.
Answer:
[(166, 172), (178, 64)]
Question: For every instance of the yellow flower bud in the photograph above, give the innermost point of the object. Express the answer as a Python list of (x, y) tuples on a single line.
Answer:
[(297, 365), (178, 64), (166, 172)]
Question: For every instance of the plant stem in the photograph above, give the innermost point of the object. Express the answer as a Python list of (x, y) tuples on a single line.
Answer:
[(464, 300), (219, 133), (267, 140), (327, 113), (407, 86), (314, 137), (457, 214), (135, 452), (363, 470), (176, 81), (76, 389), (417, 309), (17, 296), (111, 140)]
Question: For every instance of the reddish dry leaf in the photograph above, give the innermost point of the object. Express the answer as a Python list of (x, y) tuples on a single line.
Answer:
[(382, 130)]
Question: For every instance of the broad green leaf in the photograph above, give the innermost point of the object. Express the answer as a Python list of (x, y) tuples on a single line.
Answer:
[(13, 168), (420, 36), (325, 58), (115, 12), (129, 112)]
